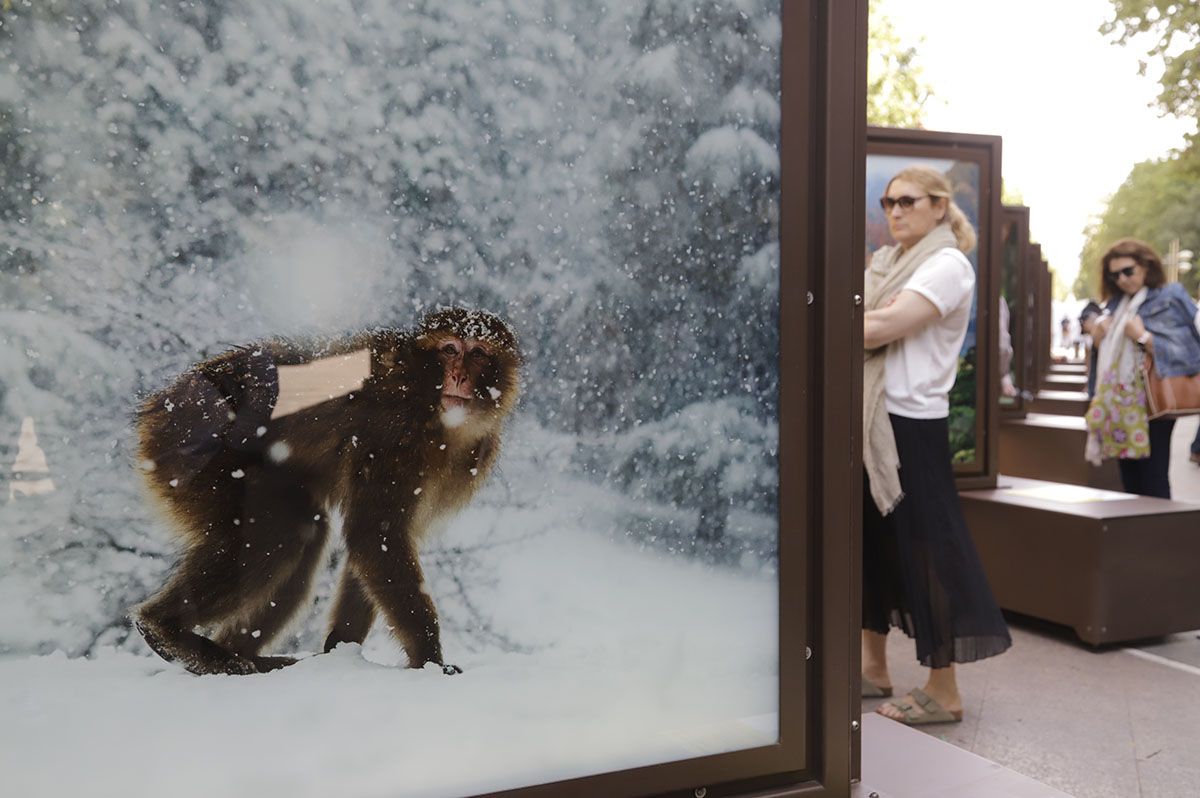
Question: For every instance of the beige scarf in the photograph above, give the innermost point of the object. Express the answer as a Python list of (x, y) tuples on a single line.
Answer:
[(890, 269)]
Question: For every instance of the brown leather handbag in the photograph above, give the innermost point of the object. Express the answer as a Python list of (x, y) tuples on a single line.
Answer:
[(1169, 396)]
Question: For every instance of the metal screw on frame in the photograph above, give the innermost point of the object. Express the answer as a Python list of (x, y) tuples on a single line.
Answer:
[(857, 299), (873, 794), (854, 725), (810, 298), (700, 792), (808, 652)]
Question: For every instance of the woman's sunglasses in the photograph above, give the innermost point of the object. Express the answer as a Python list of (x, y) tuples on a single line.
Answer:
[(1126, 272), (905, 203)]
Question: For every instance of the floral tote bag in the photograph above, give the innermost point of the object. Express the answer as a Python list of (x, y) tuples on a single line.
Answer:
[(1117, 415)]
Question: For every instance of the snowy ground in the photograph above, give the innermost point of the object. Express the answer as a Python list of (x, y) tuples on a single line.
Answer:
[(628, 657)]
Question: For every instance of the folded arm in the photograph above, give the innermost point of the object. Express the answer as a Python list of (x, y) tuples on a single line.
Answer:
[(904, 315)]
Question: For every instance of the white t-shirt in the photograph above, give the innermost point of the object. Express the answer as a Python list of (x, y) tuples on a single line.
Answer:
[(921, 367)]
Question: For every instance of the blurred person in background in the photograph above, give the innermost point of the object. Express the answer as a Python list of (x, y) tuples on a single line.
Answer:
[(1008, 387), (1087, 320)]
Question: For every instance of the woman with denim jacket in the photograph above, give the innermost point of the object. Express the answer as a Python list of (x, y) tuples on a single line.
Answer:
[(1145, 312)]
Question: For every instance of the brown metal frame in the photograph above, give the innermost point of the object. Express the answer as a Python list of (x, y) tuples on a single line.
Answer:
[(1043, 317), (821, 239), (1022, 364), (1048, 299), (985, 151), (1033, 297)]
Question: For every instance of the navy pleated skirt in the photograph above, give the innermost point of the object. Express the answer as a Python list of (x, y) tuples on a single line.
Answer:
[(921, 572)]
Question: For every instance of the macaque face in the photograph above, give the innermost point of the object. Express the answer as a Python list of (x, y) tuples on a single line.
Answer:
[(467, 363)]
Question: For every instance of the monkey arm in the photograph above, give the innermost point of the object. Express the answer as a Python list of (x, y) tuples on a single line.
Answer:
[(381, 551)]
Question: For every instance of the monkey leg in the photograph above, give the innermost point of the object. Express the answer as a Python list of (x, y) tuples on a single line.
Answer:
[(353, 612), (254, 536), (198, 593), (394, 582), (206, 590), (261, 622)]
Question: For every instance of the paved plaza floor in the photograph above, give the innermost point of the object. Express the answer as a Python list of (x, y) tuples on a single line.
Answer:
[(1110, 722)]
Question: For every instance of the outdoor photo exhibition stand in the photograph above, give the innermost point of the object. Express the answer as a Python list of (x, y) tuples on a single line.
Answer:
[(1047, 441), (1049, 446), (823, 138), (1036, 327), (656, 593), (1014, 292), (972, 164), (1112, 566), (1057, 537), (1066, 397)]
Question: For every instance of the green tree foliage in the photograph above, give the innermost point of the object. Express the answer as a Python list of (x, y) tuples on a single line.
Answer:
[(1174, 25), (1158, 202), (1010, 195), (1170, 21), (896, 92), (1058, 286), (962, 411)]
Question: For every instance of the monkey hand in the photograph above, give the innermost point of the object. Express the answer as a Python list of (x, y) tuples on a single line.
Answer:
[(451, 670), (268, 664)]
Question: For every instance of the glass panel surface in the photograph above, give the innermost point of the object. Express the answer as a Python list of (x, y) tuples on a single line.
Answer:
[(964, 177), (222, 226), (1011, 345)]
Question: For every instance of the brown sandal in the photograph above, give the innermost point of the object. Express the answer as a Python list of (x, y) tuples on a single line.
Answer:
[(922, 710)]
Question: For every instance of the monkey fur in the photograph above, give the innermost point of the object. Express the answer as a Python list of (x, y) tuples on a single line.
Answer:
[(249, 490)]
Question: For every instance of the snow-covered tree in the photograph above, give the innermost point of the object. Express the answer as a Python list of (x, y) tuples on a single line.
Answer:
[(180, 177), (695, 173)]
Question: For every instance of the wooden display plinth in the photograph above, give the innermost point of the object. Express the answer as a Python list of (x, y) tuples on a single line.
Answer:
[(1065, 382), (1050, 447), (1114, 567), (1061, 403)]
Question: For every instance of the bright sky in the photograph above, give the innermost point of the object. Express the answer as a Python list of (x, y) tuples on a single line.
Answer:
[(1072, 109)]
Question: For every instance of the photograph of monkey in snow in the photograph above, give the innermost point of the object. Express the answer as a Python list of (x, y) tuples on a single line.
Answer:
[(251, 491), (387, 391)]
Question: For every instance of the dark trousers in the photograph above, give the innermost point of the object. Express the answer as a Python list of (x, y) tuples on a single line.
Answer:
[(1148, 477)]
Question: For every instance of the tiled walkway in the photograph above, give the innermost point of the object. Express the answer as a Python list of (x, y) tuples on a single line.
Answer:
[(1113, 722)]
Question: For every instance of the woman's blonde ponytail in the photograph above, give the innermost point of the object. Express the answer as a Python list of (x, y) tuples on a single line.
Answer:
[(964, 233)]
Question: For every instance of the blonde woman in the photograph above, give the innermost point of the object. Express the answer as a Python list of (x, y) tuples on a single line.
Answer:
[(920, 569)]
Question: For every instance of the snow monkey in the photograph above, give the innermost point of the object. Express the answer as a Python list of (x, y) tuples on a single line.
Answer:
[(249, 483)]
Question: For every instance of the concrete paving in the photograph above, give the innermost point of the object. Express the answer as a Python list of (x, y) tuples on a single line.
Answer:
[(1109, 722), (898, 762), (1185, 475)]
